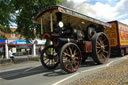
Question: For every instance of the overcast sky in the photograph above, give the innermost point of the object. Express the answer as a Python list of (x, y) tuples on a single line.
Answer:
[(105, 10)]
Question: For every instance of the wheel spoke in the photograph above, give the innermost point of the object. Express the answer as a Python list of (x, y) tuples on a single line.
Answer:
[(99, 51), (66, 51), (105, 46), (45, 58), (65, 59), (51, 51), (54, 52), (70, 50), (75, 58), (104, 39), (47, 61), (99, 43), (48, 51), (105, 51), (67, 54), (53, 61), (103, 55), (71, 65), (75, 63), (99, 40), (98, 47), (66, 64), (74, 51)]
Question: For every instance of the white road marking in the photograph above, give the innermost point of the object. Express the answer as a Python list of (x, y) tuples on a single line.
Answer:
[(92, 69), (126, 57), (65, 79), (109, 63), (57, 83)]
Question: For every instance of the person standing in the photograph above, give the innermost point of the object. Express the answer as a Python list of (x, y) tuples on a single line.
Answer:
[(10, 54), (40, 50)]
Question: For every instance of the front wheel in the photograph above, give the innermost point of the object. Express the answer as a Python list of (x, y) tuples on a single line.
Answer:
[(49, 57), (70, 57)]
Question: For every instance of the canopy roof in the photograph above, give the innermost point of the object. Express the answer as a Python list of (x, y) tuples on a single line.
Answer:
[(68, 16)]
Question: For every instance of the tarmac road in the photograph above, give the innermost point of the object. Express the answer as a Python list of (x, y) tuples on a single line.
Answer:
[(32, 73)]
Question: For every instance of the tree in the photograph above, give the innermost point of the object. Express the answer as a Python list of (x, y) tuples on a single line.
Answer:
[(21, 12), (5, 16), (26, 10), (2, 36)]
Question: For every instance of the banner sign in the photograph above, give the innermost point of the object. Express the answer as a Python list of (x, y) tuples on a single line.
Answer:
[(19, 42), (123, 33), (40, 42), (112, 35), (22, 42), (2, 41)]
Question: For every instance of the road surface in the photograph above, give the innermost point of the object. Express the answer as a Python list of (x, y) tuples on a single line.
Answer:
[(32, 73)]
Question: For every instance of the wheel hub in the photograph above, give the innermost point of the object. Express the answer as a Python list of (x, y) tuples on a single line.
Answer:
[(73, 57), (102, 47)]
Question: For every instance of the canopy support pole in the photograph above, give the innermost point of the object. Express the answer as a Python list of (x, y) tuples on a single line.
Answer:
[(51, 22)]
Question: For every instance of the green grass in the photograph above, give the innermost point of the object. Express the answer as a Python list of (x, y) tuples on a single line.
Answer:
[(6, 63), (126, 83)]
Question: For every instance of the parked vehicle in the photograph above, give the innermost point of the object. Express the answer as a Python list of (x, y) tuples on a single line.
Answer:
[(118, 37), (73, 36)]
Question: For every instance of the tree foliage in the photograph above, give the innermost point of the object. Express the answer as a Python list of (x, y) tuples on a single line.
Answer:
[(2, 36), (5, 17), (21, 12)]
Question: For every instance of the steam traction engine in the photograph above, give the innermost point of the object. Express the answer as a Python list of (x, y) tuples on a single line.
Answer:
[(73, 37)]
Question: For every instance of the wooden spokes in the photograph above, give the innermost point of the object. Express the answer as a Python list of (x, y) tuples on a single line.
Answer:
[(49, 57), (70, 57)]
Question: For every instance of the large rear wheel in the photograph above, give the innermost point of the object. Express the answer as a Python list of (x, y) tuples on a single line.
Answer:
[(49, 57), (70, 57), (101, 49)]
